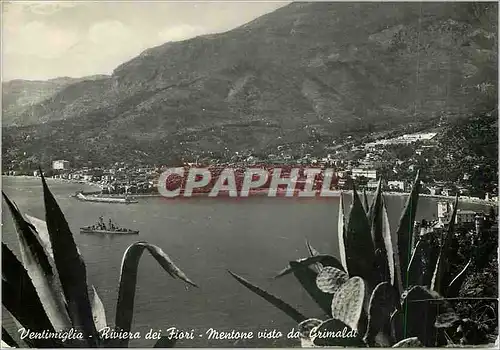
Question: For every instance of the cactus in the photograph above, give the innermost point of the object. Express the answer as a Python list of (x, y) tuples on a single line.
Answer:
[(377, 268), (383, 302), (330, 279), (347, 303), (48, 291)]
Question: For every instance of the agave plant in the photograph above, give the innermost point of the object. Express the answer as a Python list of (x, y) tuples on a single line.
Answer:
[(48, 290), (387, 286)]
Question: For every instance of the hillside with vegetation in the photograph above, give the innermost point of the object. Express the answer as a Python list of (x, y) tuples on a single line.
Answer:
[(23, 101), (307, 73)]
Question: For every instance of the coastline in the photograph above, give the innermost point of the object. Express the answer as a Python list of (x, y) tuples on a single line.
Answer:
[(334, 193), (31, 177)]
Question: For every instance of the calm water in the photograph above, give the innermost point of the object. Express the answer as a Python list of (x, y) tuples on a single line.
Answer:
[(254, 237)]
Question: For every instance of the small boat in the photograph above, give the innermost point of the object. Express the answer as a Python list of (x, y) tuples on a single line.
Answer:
[(100, 228)]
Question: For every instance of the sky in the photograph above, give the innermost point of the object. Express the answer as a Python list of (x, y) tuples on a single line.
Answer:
[(48, 39)]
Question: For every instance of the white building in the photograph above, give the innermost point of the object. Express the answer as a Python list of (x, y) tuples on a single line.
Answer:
[(396, 185), (60, 165), (445, 209), (368, 173), (465, 216)]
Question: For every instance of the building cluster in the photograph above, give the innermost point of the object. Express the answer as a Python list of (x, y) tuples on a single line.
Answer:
[(353, 160), (116, 179)]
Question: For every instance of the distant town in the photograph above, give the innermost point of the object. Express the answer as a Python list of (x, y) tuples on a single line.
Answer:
[(394, 160)]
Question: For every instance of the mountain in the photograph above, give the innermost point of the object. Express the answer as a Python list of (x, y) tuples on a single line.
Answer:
[(305, 73), (19, 98)]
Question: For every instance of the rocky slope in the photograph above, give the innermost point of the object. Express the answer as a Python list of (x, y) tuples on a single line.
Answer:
[(22, 99), (306, 72)]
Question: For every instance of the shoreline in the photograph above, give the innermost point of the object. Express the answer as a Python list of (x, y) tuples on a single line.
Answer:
[(333, 193)]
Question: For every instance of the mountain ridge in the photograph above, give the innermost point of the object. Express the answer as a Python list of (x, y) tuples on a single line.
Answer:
[(305, 72)]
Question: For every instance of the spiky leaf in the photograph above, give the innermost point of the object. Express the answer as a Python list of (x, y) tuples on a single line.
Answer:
[(326, 260), (98, 312), (39, 267), (314, 252), (381, 235), (422, 263), (454, 288), (360, 252), (330, 279), (366, 206), (341, 234), (43, 233), (20, 298), (347, 303), (70, 267), (7, 338), (403, 238), (128, 281), (307, 279), (443, 265), (278, 303)]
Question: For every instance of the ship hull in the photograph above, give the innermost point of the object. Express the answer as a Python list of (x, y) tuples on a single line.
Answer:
[(81, 197), (108, 232)]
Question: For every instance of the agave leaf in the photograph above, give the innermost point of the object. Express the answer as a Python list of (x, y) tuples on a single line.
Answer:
[(415, 268), (366, 206), (360, 252), (326, 260), (31, 243), (98, 312), (307, 279), (403, 238), (341, 234), (12, 326), (330, 279), (128, 282), (39, 268), (8, 340), (314, 252), (443, 266), (347, 303), (381, 236), (20, 298), (278, 303), (334, 332), (383, 301), (70, 267), (455, 285), (165, 342), (40, 227), (408, 343)]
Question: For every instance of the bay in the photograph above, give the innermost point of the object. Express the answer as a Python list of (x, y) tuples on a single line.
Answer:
[(254, 237)]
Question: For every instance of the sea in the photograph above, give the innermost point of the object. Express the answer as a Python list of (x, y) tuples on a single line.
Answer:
[(254, 237)]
